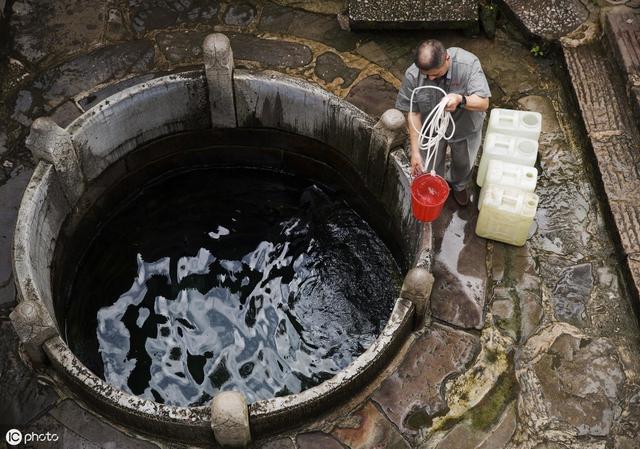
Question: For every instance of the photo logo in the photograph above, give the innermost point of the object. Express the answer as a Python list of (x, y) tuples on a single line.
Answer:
[(14, 437)]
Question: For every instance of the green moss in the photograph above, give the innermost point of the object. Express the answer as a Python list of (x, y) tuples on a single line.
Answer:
[(487, 412)]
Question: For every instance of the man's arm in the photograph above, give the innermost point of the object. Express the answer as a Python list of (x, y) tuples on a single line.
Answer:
[(474, 103), (414, 121)]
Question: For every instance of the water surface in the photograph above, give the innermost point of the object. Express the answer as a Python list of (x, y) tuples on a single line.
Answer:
[(229, 279)]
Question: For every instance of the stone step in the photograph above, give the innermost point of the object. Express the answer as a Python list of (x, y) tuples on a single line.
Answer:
[(413, 14), (615, 141), (546, 19), (622, 28)]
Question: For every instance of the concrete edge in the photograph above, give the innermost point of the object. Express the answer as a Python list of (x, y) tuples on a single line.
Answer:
[(183, 423), (31, 229), (193, 424)]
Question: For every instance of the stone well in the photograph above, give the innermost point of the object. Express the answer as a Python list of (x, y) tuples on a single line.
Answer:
[(204, 103)]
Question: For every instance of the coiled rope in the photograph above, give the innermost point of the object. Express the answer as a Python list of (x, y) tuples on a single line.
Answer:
[(434, 128)]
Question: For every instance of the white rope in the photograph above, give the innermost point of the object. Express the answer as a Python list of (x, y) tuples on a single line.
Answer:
[(434, 127)]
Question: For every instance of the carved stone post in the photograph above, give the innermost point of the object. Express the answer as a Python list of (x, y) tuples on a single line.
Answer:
[(49, 142), (218, 65), (33, 325), (416, 287), (230, 419)]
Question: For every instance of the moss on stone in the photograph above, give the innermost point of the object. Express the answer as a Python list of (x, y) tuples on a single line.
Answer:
[(487, 412)]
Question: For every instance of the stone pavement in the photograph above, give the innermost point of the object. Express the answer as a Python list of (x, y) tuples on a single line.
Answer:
[(535, 347)]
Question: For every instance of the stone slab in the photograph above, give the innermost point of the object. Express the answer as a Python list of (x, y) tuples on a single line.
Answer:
[(572, 293), (407, 14), (87, 71), (22, 397), (240, 14), (10, 197), (581, 380), (158, 14), (186, 47), (547, 19), (330, 66), (622, 27), (276, 18), (373, 95), (619, 162), (369, 429), (43, 29), (603, 109), (626, 215), (317, 440), (413, 394), (458, 295), (93, 428)]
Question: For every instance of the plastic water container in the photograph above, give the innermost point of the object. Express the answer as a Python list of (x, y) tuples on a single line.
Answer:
[(507, 174), (526, 124), (517, 150), (506, 214)]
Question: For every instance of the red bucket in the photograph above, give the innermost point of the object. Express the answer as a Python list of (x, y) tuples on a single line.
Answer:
[(428, 194)]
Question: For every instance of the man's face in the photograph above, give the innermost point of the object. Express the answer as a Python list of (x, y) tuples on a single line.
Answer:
[(438, 72)]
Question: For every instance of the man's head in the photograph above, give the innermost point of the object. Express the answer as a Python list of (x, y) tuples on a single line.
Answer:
[(432, 59)]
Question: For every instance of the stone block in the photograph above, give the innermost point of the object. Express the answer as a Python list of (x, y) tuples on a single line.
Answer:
[(48, 142), (126, 120), (403, 14), (230, 419), (218, 66), (34, 326), (626, 215)]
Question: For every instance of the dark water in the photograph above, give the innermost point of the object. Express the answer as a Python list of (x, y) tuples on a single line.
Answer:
[(223, 279)]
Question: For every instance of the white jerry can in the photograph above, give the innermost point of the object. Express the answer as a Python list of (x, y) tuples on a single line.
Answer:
[(507, 174), (506, 214), (517, 150), (527, 124)]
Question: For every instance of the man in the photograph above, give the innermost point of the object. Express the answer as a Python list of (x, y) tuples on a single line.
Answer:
[(458, 73)]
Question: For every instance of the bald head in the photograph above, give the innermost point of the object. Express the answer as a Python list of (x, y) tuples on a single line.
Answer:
[(430, 54)]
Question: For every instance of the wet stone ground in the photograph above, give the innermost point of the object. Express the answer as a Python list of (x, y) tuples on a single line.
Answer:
[(534, 347)]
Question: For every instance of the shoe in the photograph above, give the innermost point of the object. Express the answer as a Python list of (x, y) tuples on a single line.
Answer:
[(461, 197)]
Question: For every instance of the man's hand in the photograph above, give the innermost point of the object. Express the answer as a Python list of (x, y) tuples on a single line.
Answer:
[(454, 101), (416, 164)]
